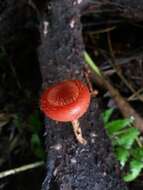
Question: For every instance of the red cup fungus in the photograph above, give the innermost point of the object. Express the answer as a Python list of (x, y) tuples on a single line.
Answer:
[(66, 101)]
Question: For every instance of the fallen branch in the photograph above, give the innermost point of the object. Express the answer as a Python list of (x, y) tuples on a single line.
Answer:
[(20, 169), (71, 165), (125, 108)]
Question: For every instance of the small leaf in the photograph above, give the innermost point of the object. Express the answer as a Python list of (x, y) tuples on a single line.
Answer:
[(135, 169), (91, 63), (122, 155), (107, 114), (35, 122), (115, 126), (127, 138), (17, 121), (137, 153), (36, 146)]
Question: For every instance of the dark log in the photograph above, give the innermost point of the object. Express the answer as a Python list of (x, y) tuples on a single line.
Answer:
[(70, 165)]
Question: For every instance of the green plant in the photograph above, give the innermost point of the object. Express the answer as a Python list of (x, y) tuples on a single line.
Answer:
[(126, 144), (36, 144), (31, 131)]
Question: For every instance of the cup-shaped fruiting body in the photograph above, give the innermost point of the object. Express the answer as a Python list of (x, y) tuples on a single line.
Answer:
[(66, 101)]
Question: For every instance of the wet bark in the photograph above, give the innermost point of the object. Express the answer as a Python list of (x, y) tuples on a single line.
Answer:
[(70, 165)]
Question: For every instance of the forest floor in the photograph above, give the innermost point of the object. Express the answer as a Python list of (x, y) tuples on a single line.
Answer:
[(116, 48)]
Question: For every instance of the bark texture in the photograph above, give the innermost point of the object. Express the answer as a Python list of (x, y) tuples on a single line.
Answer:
[(70, 165)]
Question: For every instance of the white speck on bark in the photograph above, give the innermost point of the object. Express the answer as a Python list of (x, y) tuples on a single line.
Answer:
[(72, 23), (55, 172), (57, 147), (45, 30), (93, 135), (104, 173), (92, 140), (73, 161), (77, 2)]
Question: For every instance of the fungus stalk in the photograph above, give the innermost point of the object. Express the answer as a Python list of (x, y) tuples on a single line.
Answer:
[(78, 132)]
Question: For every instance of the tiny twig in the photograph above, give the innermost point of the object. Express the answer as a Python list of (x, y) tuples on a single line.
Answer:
[(104, 30), (13, 70), (113, 64), (132, 55), (92, 91), (137, 93), (20, 169), (33, 5), (15, 76)]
